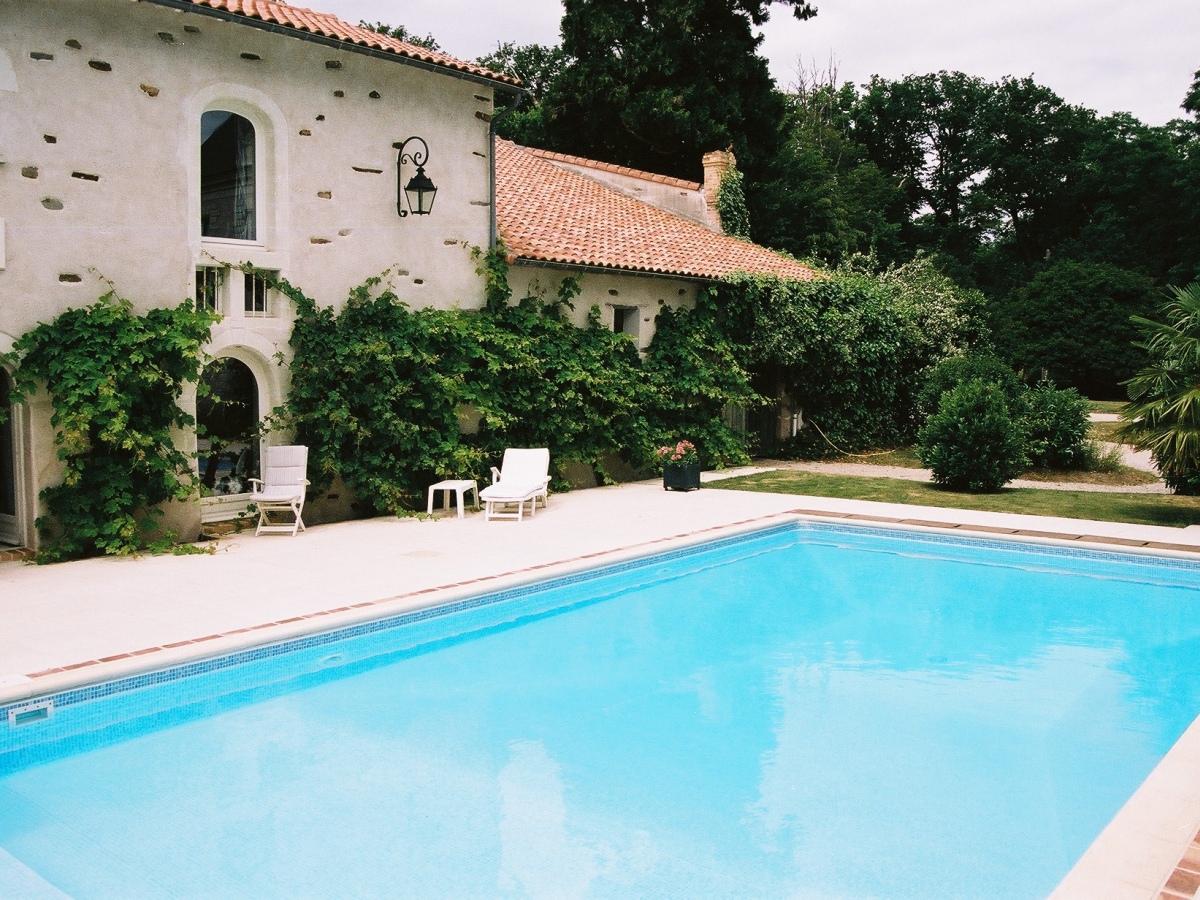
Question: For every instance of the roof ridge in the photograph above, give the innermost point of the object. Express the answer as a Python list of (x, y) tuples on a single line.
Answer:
[(555, 156), (550, 214), (300, 18)]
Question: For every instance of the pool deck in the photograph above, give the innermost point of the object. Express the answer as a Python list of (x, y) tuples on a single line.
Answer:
[(94, 620)]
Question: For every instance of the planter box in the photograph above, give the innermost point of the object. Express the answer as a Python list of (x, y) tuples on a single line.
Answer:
[(677, 477)]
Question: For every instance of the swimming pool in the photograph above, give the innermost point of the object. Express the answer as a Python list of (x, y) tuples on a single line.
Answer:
[(812, 710)]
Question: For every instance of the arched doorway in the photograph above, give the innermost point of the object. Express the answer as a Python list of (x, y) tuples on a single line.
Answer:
[(227, 415), (10, 531)]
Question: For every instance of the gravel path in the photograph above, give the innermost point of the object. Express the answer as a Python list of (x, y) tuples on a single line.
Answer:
[(1135, 459), (907, 474)]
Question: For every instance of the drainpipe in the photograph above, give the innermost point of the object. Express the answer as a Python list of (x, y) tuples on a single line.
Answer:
[(515, 102)]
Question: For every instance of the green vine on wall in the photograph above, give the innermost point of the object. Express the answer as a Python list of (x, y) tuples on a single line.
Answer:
[(378, 389), (731, 205), (851, 348), (114, 379)]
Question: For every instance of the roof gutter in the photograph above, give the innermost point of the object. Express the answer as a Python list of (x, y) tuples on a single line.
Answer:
[(610, 270), (334, 43)]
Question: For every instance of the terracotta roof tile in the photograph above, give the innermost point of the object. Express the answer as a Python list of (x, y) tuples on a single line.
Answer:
[(550, 214), (616, 170), (330, 26)]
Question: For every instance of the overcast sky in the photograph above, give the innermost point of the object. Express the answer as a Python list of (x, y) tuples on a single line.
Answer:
[(1139, 57)]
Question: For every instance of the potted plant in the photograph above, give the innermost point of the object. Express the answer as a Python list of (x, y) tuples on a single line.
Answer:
[(680, 466)]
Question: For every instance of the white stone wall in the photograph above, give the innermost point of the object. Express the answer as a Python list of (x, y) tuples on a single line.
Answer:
[(99, 174), (608, 291)]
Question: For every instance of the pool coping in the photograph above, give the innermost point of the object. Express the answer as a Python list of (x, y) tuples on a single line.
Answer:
[(1151, 848)]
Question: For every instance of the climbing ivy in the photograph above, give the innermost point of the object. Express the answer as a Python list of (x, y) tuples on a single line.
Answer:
[(731, 205), (114, 379), (378, 389), (851, 348)]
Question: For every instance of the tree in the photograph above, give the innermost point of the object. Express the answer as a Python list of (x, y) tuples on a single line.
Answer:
[(400, 33), (828, 199), (654, 84), (534, 65), (1191, 100), (1073, 320), (1030, 159), (1163, 415), (927, 131)]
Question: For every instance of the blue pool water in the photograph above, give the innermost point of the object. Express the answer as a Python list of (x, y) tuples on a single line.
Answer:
[(813, 711)]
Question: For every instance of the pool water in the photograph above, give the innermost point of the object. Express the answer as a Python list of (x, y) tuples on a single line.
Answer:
[(814, 711)]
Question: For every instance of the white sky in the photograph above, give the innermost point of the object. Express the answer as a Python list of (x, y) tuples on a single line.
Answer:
[(1139, 57)]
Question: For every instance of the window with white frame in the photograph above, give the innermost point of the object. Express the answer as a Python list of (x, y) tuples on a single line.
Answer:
[(208, 282), (259, 297)]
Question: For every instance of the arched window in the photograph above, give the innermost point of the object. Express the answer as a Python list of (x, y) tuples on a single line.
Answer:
[(227, 176), (8, 466), (227, 420)]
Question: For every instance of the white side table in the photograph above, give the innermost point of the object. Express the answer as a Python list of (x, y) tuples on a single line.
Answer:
[(460, 489)]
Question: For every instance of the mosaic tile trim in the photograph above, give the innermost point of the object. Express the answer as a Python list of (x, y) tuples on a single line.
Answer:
[(1017, 546), (175, 673)]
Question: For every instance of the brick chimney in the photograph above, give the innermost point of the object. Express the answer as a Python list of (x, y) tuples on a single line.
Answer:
[(716, 164)]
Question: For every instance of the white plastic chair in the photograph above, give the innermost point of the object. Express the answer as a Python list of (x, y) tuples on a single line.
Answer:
[(523, 477), (281, 489)]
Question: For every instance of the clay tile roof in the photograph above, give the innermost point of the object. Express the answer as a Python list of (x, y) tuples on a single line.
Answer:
[(330, 26), (549, 214), (619, 170)]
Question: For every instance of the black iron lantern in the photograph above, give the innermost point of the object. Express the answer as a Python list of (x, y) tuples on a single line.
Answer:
[(420, 190)]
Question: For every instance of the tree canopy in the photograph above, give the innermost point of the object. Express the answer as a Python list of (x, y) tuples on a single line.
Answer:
[(1005, 186)]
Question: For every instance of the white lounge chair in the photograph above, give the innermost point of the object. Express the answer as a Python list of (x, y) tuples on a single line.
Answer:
[(281, 489), (523, 477)]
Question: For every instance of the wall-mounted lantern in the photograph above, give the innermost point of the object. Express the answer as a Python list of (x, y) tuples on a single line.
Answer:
[(419, 190)]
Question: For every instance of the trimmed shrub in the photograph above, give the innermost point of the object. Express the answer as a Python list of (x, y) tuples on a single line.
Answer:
[(950, 373), (1056, 422), (973, 442)]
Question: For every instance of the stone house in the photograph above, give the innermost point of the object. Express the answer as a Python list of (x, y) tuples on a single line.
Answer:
[(158, 144)]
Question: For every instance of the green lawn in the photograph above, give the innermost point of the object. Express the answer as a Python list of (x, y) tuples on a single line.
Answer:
[(1142, 509), (1105, 406)]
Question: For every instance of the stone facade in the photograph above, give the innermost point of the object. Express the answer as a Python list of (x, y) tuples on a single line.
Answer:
[(101, 105)]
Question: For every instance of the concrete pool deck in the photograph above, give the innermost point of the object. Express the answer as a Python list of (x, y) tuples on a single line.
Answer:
[(94, 620)]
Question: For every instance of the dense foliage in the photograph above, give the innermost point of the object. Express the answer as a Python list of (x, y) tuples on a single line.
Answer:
[(972, 442), (1163, 415), (1054, 422), (850, 349), (1056, 427), (731, 205), (1074, 320), (114, 379), (378, 390), (956, 370), (1011, 189), (400, 33)]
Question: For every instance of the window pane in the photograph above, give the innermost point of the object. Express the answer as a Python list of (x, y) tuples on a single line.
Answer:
[(226, 176), (256, 295), (206, 287)]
